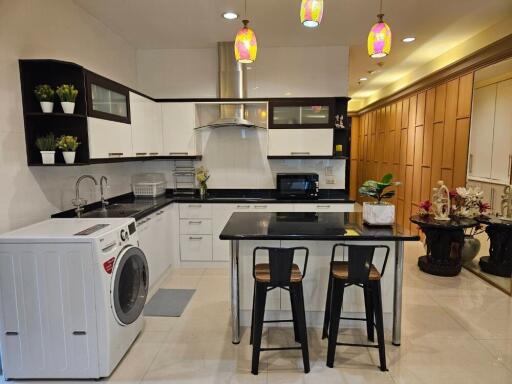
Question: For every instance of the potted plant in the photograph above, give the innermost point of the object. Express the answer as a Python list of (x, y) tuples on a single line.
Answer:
[(46, 144), (45, 94), (202, 176), (67, 95), (379, 212), (68, 145)]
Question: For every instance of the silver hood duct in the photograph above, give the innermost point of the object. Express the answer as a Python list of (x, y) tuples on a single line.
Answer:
[(232, 84)]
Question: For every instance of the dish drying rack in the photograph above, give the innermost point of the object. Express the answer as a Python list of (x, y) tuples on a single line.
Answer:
[(184, 175)]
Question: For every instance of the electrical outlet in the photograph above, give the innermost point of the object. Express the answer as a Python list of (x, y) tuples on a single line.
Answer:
[(328, 171), (330, 181)]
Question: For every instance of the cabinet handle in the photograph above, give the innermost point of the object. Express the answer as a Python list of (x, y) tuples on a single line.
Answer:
[(470, 163), (159, 213), (242, 206), (509, 165), (195, 222), (195, 237), (153, 153), (115, 154), (300, 153), (11, 333), (178, 153), (194, 205), (261, 206), (79, 333), (141, 154), (323, 206)]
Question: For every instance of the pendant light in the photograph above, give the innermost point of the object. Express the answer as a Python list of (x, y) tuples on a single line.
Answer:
[(311, 12), (379, 38), (246, 46)]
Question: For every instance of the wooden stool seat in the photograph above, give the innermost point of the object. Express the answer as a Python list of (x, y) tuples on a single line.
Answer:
[(340, 271), (262, 273)]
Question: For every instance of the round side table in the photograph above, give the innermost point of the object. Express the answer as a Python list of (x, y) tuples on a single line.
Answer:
[(445, 240), (499, 261)]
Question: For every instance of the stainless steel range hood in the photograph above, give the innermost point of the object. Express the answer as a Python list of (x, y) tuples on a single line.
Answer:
[(232, 84)]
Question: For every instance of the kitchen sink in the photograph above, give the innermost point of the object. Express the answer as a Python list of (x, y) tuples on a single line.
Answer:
[(115, 210)]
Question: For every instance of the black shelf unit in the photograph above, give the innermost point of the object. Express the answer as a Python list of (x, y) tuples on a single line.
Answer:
[(37, 123)]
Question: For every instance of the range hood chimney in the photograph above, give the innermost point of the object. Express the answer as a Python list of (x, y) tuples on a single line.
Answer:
[(232, 84)]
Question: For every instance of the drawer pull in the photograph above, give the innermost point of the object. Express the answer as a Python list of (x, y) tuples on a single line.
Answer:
[(153, 153), (300, 153), (194, 205), (79, 333), (323, 206), (243, 206), (261, 206), (115, 154), (141, 154), (11, 333), (159, 213), (178, 153), (195, 237), (195, 222)]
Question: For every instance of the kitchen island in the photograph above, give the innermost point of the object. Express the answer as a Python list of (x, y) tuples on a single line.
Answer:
[(318, 232)]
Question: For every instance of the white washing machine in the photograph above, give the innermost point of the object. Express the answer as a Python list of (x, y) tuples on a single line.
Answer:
[(72, 292)]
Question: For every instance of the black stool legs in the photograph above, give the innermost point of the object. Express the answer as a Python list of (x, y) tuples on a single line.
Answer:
[(260, 298)]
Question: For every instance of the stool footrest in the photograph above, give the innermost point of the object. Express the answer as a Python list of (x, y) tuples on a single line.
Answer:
[(280, 348), (352, 318), (359, 345), (278, 321)]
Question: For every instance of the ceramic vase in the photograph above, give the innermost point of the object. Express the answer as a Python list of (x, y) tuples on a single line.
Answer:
[(48, 157), (67, 106), (69, 157), (46, 106), (470, 249), (378, 214)]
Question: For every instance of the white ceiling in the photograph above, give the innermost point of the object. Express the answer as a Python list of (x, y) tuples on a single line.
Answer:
[(439, 25)]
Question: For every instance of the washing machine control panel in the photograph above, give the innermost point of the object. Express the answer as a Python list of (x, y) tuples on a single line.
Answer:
[(124, 234)]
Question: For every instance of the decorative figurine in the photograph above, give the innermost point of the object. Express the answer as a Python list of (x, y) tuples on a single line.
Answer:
[(338, 122), (441, 202), (506, 203)]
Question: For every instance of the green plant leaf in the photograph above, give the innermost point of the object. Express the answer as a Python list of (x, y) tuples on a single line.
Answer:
[(387, 178)]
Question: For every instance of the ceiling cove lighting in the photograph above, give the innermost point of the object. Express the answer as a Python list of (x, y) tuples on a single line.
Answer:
[(363, 79), (408, 39), (379, 38), (230, 15), (246, 45), (311, 12)]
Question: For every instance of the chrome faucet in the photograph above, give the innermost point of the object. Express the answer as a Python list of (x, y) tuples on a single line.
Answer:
[(104, 202), (78, 202)]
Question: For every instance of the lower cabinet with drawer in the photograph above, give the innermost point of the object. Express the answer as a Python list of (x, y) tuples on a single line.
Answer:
[(196, 247)]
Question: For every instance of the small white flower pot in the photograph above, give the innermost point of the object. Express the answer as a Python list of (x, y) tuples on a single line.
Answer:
[(67, 106), (379, 214), (69, 157), (46, 106), (48, 157)]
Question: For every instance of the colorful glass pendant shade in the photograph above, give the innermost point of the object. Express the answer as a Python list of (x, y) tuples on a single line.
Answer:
[(246, 46), (379, 38), (311, 12)]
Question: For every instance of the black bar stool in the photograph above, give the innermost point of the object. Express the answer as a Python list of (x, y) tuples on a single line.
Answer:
[(357, 270), (279, 272)]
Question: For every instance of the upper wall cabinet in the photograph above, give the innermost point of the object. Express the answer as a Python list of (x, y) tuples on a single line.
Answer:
[(146, 117), (107, 99), (312, 113), (178, 129), (300, 143), (109, 139)]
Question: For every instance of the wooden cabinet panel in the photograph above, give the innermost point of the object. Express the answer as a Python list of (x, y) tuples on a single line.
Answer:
[(447, 177), (398, 121), (420, 109), (373, 122), (418, 152), (410, 146), (405, 113), (425, 184), (437, 152), (465, 96), (440, 103), (408, 195), (413, 102), (428, 129), (450, 117), (396, 152), (354, 138), (461, 153), (392, 118), (400, 214)]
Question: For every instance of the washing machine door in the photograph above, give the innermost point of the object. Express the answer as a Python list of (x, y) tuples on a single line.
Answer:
[(130, 282)]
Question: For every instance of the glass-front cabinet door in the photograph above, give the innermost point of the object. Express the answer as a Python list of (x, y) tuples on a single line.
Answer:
[(312, 113), (107, 99)]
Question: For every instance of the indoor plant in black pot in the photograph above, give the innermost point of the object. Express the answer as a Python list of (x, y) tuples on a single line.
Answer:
[(379, 212)]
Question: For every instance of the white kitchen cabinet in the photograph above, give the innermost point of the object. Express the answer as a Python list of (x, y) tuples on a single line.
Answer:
[(502, 144), (196, 247), (492, 193), (179, 137), (195, 211), (146, 121), (300, 142), (109, 139), (195, 226), (490, 149)]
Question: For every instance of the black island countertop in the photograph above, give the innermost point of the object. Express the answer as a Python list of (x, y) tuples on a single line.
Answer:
[(332, 226), (139, 208)]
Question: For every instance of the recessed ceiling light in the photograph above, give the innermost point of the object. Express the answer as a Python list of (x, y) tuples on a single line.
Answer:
[(408, 39), (230, 15), (363, 79)]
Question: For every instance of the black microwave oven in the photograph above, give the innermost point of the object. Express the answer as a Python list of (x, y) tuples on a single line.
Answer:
[(297, 185)]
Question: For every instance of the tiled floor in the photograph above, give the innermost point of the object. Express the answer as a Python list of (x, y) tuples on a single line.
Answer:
[(455, 330)]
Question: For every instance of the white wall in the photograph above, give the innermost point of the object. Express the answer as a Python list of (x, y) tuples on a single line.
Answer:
[(55, 29), (277, 72)]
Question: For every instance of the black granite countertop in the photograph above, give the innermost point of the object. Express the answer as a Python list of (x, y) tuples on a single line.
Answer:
[(128, 205), (494, 220), (453, 223), (307, 226)]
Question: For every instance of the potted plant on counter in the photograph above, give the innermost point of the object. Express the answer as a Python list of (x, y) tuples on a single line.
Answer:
[(46, 145), (68, 145), (67, 95), (202, 176), (45, 95), (379, 212)]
